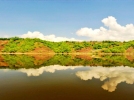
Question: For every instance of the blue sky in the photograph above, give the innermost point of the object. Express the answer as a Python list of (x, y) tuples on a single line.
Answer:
[(62, 18)]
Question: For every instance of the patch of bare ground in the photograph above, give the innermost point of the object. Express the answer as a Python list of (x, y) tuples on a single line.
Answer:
[(84, 50), (86, 54), (2, 43), (42, 50), (2, 62), (41, 54), (130, 54)]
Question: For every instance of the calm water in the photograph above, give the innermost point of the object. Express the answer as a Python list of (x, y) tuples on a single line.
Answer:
[(63, 77)]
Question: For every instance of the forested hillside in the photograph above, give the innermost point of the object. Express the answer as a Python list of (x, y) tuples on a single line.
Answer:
[(27, 45)]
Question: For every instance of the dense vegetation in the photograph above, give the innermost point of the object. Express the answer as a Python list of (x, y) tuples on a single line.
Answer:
[(24, 61), (22, 45)]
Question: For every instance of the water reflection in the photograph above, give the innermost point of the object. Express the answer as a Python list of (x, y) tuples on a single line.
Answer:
[(112, 76), (51, 69), (37, 61), (104, 68)]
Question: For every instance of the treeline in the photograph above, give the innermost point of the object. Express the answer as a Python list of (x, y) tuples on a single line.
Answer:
[(5, 38), (16, 44)]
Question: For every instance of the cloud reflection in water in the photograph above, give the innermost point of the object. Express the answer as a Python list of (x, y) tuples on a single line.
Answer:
[(51, 69), (112, 76)]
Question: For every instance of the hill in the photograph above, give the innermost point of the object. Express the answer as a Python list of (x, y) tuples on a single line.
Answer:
[(27, 45)]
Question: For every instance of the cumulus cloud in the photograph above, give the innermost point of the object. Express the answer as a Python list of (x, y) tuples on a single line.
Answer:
[(114, 31), (51, 69), (112, 76), (52, 37), (4, 36)]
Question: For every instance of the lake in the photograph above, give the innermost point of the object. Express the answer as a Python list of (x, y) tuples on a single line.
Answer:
[(66, 77)]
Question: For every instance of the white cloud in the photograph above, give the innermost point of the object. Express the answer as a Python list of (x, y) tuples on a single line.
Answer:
[(4, 36), (51, 69), (113, 76), (114, 32), (52, 37)]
